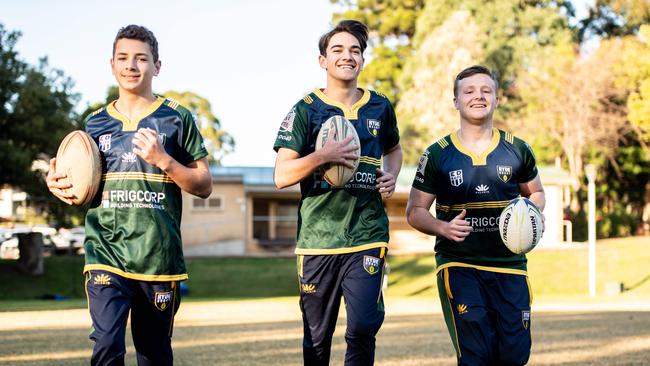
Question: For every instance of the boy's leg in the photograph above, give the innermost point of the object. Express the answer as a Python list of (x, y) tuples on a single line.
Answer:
[(152, 322), (469, 320), (109, 301), (320, 299), (512, 301), (362, 291)]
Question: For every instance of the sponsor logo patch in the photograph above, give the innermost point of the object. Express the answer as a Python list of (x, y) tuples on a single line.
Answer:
[(504, 172), (525, 318), (373, 126), (422, 164), (456, 177), (462, 309), (102, 279), (371, 264), (308, 288), (105, 142), (162, 300), (287, 123)]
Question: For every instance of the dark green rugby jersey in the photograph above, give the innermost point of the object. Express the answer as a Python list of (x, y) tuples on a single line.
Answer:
[(133, 224), (483, 185), (350, 218)]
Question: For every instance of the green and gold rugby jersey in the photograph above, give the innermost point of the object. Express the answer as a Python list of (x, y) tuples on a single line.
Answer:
[(351, 218), (483, 185), (133, 224)]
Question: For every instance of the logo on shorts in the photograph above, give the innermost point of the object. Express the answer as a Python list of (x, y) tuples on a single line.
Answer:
[(462, 309), (373, 126), (102, 279), (371, 264), (456, 177), (162, 137), (104, 142), (162, 300), (308, 288), (504, 172), (525, 318)]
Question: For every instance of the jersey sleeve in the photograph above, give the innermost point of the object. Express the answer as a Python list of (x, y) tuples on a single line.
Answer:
[(193, 145), (392, 137), (425, 175), (528, 164), (293, 130)]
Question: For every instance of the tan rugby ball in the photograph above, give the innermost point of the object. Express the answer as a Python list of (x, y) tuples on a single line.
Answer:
[(335, 174), (78, 157)]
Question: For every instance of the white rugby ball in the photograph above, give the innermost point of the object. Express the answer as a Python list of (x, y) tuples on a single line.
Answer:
[(78, 157), (520, 225), (335, 174)]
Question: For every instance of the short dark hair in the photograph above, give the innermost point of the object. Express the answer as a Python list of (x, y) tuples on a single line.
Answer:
[(354, 27), (473, 70), (140, 33)]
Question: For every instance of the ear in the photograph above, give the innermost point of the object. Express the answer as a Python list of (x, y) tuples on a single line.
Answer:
[(456, 106), (322, 61), (112, 62), (158, 64), (496, 104)]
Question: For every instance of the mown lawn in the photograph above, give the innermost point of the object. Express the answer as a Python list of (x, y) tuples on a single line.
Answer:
[(560, 274)]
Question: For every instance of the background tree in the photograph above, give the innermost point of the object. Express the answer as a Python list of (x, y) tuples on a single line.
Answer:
[(445, 43), (614, 18), (392, 25), (217, 141), (36, 112), (426, 111)]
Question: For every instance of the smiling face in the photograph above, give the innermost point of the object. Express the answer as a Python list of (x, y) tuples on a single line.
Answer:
[(477, 98), (134, 67), (344, 58)]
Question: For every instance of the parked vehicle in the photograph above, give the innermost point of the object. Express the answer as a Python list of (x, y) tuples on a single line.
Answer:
[(71, 240)]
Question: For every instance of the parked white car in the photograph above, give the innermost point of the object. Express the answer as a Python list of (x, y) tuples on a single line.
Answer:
[(71, 239)]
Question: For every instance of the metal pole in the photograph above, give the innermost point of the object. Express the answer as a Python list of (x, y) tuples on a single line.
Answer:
[(590, 171)]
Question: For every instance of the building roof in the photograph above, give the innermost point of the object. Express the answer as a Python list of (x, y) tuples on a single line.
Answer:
[(249, 175), (263, 176)]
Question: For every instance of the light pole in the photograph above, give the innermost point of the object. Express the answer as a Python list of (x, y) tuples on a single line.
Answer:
[(590, 171)]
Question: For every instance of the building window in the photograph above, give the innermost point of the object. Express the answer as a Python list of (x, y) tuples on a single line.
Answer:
[(210, 203)]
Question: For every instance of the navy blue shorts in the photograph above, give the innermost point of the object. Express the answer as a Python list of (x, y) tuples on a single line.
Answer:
[(152, 306), (324, 279), (487, 315)]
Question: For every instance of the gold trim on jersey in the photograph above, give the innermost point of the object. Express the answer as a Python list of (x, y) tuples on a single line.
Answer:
[(509, 137), (351, 113), (442, 143), (477, 159), (308, 99), (472, 205), (359, 248), (172, 104), (132, 125), (149, 177), (370, 160), (482, 268), (96, 112), (135, 276)]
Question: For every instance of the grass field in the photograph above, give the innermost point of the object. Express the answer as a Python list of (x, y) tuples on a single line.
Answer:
[(255, 319), (555, 274), (269, 332)]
